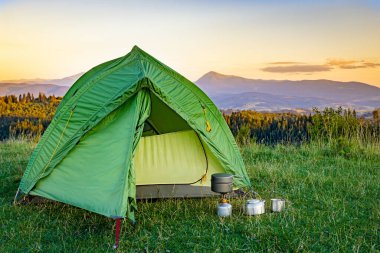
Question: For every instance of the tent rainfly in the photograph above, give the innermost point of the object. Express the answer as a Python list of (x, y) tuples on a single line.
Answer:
[(131, 128)]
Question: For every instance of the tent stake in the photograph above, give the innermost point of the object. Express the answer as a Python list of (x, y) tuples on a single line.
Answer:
[(117, 234), (16, 196)]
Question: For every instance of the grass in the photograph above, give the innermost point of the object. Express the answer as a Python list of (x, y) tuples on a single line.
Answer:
[(332, 206)]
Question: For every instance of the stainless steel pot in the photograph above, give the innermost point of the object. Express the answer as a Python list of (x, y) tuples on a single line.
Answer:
[(255, 207), (221, 183)]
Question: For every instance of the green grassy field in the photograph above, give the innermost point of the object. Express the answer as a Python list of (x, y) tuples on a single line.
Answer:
[(332, 196)]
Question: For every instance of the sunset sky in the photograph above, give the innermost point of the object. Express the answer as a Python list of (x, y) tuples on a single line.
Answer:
[(337, 40)]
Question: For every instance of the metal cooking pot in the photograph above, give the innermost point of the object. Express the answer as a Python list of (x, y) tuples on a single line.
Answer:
[(255, 207), (221, 183)]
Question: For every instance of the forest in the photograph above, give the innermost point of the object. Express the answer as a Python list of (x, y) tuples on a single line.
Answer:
[(288, 128), (28, 116)]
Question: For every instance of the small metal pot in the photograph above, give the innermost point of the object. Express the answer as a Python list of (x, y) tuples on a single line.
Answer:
[(221, 183), (255, 207), (277, 205)]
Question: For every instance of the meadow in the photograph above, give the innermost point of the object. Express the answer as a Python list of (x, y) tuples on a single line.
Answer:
[(332, 206)]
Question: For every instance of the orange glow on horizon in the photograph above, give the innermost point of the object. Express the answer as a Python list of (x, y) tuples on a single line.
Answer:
[(48, 39)]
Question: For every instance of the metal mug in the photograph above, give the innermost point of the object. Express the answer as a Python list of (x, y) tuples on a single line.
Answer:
[(277, 205)]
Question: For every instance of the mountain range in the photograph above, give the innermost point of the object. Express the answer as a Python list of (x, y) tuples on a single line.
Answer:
[(238, 93), (66, 81), (234, 92), (57, 87)]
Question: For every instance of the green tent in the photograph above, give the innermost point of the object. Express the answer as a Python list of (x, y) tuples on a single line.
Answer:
[(131, 122)]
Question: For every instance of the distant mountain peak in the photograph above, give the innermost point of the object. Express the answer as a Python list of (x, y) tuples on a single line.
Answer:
[(210, 74), (238, 92), (214, 74), (57, 87), (230, 91), (213, 77), (65, 81)]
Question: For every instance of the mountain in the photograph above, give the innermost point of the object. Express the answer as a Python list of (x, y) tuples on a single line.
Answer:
[(57, 87), (22, 88), (276, 103), (66, 81), (275, 95), (234, 92)]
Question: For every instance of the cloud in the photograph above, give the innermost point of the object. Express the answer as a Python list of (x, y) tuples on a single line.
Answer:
[(285, 63), (351, 64), (297, 68), (339, 62), (371, 64)]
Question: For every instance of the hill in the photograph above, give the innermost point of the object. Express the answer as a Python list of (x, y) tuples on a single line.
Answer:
[(242, 93), (65, 81), (234, 92), (22, 88), (57, 87)]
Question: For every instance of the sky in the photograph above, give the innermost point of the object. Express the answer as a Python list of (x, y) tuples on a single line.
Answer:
[(294, 40)]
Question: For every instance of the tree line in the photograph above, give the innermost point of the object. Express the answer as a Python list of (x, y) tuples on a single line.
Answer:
[(26, 115), (29, 116), (289, 128)]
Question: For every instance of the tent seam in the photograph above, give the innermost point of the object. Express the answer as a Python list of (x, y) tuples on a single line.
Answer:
[(131, 152)]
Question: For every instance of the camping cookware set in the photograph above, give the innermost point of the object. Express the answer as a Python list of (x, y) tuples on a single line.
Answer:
[(222, 183)]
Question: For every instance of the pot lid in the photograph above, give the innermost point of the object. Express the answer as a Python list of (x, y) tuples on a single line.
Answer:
[(222, 178)]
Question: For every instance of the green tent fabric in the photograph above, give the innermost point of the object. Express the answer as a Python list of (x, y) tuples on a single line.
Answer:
[(88, 155)]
